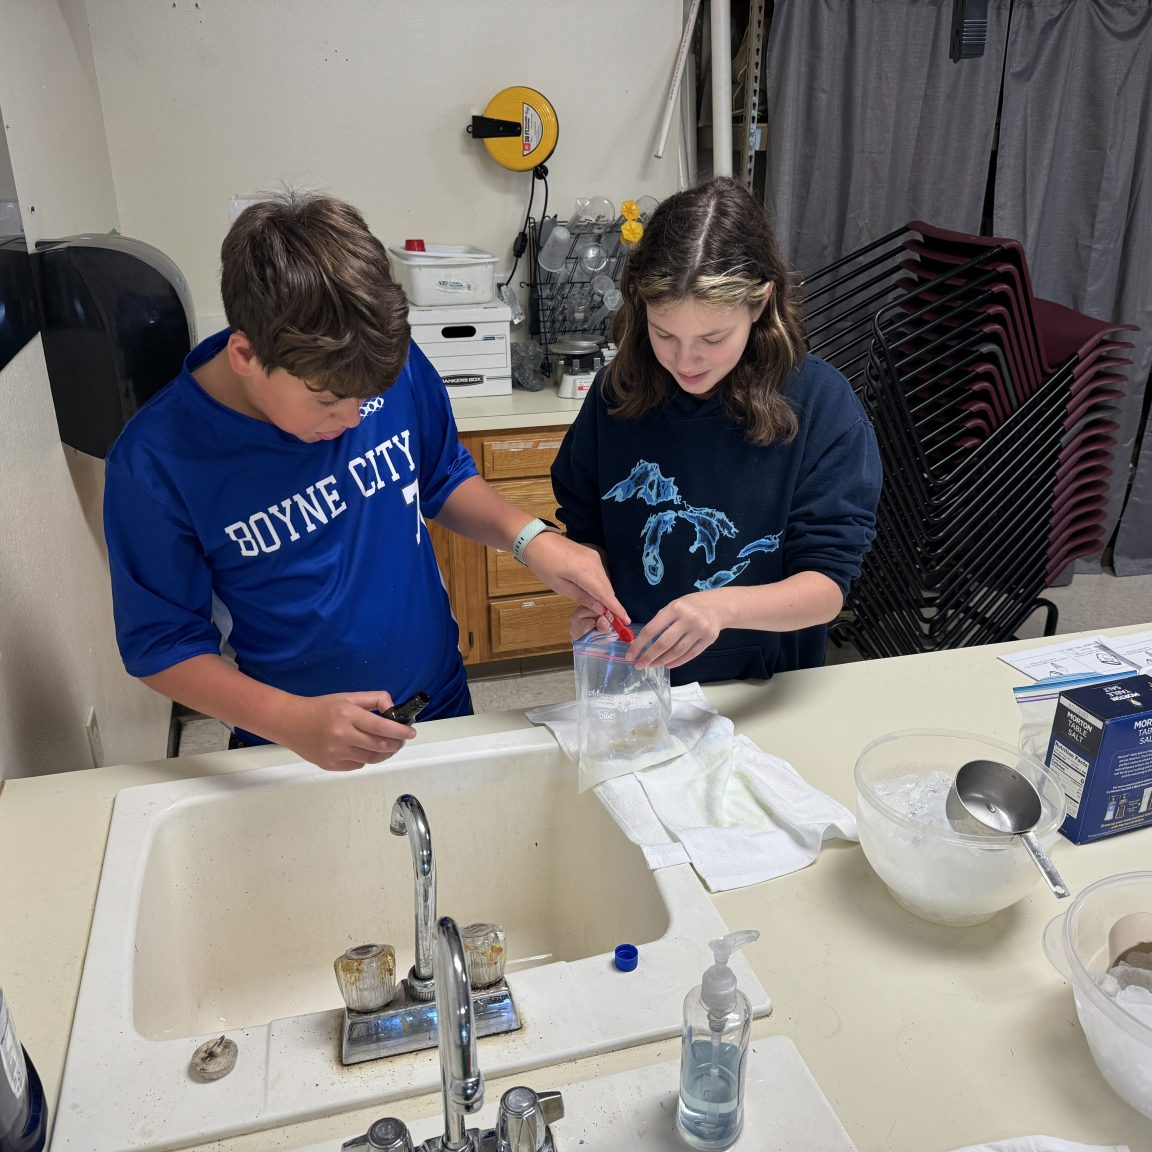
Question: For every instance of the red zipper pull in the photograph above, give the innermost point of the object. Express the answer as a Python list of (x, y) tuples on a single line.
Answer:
[(622, 630)]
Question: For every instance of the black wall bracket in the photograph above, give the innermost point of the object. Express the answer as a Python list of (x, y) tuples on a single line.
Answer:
[(969, 29), (485, 127)]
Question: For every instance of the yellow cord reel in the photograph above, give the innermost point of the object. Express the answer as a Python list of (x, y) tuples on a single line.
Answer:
[(519, 128)]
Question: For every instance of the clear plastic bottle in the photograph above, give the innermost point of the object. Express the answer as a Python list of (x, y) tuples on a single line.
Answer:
[(23, 1114), (717, 1026)]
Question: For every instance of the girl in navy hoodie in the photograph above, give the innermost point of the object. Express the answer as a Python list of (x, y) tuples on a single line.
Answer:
[(729, 478)]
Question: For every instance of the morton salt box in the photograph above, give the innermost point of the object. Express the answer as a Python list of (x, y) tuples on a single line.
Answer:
[(1101, 752)]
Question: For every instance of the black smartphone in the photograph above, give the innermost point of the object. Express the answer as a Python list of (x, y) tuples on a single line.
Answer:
[(407, 712)]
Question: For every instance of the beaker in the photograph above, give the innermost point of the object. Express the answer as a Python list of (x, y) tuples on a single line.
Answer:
[(592, 256), (554, 251)]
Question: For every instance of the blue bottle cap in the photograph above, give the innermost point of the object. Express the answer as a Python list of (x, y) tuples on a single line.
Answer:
[(626, 955)]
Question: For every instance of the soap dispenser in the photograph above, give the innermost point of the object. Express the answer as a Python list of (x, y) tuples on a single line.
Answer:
[(717, 1026)]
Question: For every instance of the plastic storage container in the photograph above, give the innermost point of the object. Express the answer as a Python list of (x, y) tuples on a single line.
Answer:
[(1077, 943), (444, 274), (932, 870)]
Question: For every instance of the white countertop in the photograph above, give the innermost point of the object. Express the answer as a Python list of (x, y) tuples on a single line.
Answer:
[(517, 409), (923, 1038)]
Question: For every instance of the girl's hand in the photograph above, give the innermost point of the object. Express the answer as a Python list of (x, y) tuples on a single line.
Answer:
[(680, 631)]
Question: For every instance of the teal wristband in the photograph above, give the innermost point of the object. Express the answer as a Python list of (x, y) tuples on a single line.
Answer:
[(529, 533)]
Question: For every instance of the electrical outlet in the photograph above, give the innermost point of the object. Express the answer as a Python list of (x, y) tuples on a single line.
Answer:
[(237, 204), (95, 746)]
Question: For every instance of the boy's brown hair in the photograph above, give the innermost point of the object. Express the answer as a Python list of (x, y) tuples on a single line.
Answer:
[(306, 281)]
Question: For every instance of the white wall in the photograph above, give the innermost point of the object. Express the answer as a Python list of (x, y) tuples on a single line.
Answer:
[(369, 99), (57, 651)]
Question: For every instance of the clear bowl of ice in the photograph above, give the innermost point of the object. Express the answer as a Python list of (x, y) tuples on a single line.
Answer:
[(1113, 1000), (930, 868)]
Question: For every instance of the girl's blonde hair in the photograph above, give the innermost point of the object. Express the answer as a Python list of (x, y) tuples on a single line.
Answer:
[(713, 243)]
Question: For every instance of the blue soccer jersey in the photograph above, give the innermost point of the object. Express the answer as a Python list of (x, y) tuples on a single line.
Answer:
[(310, 562)]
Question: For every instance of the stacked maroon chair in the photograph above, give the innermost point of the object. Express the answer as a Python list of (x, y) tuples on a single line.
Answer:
[(995, 413), (1054, 335)]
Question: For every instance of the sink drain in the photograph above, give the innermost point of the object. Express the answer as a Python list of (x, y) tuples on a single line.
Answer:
[(214, 1058)]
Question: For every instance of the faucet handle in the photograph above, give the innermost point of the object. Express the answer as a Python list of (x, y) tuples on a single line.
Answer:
[(552, 1105), (523, 1118), (366, 975), (386, 1135), (389, 1135)]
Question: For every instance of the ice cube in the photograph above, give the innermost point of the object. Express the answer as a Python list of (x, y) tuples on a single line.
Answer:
[(1128, 976), (921, 798), (1137, 1002), (1109, 985)]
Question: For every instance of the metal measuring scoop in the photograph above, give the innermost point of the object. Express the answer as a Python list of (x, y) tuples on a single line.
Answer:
[(990, 797)]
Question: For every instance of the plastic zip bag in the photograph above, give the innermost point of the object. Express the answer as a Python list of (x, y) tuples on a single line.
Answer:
[(1037, 703), (623, 712)]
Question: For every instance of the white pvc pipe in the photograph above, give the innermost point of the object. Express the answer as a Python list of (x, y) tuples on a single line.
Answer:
[(721, 25), (688, 126), (677, 74)]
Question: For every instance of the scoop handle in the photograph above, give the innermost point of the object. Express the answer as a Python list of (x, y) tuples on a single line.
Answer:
[(1044, 863)]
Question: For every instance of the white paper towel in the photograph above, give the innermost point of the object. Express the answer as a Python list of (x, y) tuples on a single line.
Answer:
[(739, 814)]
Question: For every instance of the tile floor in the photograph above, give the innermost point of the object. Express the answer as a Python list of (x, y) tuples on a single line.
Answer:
[(1091, 600)]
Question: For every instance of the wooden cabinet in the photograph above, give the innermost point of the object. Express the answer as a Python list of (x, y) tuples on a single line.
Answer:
[(503, 611)]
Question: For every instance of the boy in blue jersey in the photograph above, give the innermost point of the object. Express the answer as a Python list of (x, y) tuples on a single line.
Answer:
[(729, 478), (266, 512)]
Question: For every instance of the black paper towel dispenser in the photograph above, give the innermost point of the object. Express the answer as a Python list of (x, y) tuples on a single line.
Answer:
[(19, 316), (116, 321)]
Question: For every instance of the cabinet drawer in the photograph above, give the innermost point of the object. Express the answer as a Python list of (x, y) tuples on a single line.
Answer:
[(534, 496), (505, 576), (535, 623), (529, 455)]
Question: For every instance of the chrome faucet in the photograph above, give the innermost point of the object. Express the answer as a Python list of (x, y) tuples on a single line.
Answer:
[(382, 1019), (523, 1117), (408, 818), (460, 1078)]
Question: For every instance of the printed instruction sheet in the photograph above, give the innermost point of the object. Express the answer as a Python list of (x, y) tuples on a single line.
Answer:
[(1101, 655)]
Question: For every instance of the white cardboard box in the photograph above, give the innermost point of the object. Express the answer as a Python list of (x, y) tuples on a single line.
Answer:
[(469, 345)]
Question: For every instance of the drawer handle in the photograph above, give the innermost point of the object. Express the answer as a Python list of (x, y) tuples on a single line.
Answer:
[(527, 446)]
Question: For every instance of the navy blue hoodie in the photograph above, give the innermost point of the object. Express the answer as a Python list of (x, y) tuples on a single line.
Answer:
[(682, 502)]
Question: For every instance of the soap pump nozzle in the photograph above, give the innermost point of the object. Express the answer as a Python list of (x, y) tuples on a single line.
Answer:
[(718, 987)]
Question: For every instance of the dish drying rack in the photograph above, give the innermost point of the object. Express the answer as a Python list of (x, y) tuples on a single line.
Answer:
[(564, 304)]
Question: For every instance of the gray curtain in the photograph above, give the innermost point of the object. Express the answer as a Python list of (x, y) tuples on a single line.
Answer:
[(870, 124), (1074, 184)]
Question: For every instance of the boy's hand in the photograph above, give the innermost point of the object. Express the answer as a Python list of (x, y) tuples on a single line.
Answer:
[(341, 732), (584, 620), (575, 571)]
